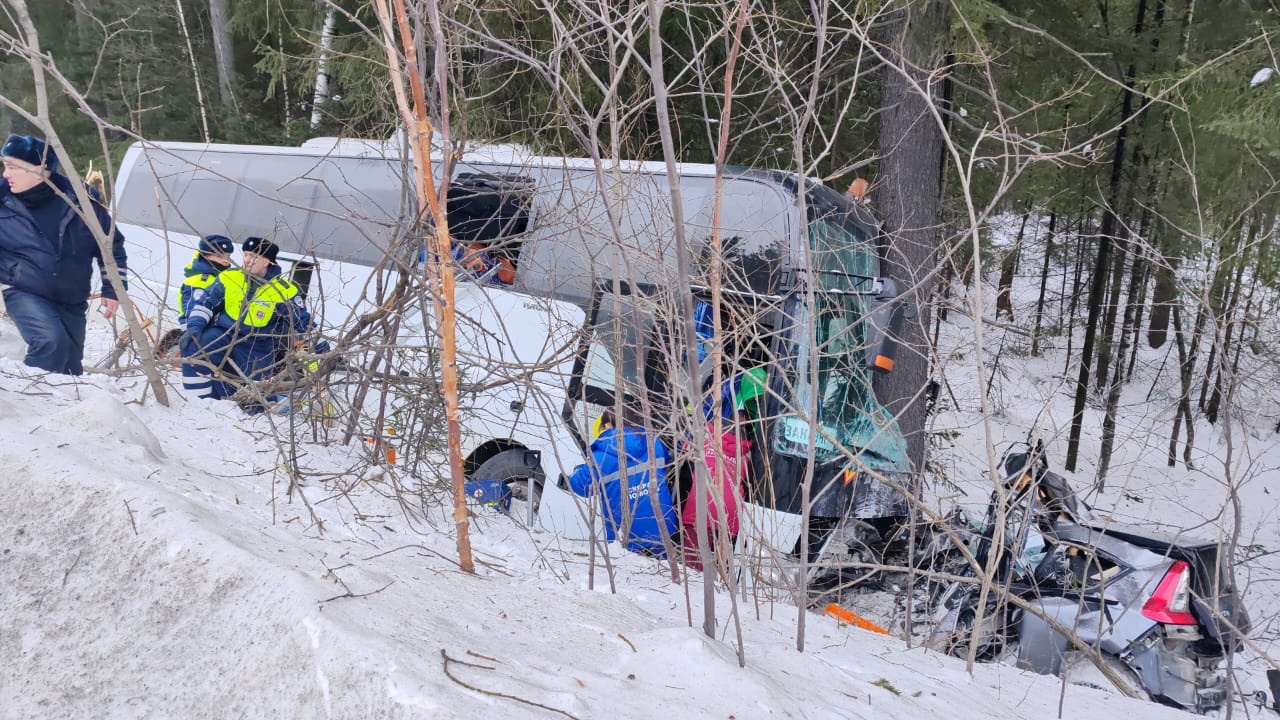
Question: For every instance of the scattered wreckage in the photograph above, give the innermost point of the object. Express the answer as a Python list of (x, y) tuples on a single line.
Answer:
[(1075, 594)]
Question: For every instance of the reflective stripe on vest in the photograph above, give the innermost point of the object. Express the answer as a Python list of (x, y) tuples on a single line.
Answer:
[(260, 308), (199, 282)]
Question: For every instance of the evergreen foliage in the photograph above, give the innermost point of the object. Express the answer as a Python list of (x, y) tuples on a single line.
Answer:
[(1032, 97)]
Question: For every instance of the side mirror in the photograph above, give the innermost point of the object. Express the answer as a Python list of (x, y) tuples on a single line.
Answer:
[(884, 326)]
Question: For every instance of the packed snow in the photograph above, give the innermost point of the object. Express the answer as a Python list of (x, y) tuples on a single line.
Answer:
[(160, 562)]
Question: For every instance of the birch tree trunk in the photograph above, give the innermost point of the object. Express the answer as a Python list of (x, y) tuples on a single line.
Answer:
[(195, 70), (322, 61)]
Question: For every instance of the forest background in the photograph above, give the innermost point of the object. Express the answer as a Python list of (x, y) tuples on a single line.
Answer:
[(1143, 133)]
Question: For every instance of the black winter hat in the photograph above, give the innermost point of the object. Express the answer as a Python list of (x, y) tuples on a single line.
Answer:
[(216, 245), (32, 150), (261, 246)]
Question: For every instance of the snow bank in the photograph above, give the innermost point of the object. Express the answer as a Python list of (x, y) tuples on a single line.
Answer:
[(155, 565)]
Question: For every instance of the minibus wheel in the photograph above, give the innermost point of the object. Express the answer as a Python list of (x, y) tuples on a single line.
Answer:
[(516, 468)]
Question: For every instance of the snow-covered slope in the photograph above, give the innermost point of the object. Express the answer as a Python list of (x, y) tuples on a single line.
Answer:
[(153, 564)]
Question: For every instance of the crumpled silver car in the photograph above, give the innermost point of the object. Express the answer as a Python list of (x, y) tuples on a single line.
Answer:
[(1076, 595)]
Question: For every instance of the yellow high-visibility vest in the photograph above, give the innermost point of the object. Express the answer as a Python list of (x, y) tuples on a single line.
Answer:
[(198, 281), (261, 308)]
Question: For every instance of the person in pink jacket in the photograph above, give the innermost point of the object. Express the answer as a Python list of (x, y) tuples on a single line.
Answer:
[(723, 493)]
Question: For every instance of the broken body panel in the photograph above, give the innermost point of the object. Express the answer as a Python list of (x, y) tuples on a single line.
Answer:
[(1162, 612)]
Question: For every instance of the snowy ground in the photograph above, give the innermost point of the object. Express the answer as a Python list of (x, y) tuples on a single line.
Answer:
[(155, 565)]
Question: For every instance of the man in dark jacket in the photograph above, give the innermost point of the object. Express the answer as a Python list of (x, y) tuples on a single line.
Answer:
[(645, 521), (47, 253), (246, 321)]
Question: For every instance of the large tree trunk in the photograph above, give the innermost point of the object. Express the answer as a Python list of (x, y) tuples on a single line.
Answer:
[(1164, 292), (1106, 334), (1213, 313), (908, 197), (1097, 287), (223, 55), (1227, 325), (1127, 331), (1141, 274)]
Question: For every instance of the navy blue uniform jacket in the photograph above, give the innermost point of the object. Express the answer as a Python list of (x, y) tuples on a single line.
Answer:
[(57, 269)]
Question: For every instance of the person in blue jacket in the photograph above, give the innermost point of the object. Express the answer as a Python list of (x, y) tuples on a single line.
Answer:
[(47, 252), (648, 507), (245, 322)]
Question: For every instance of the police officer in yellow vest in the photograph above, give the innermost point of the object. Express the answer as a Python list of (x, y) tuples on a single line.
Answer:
[(211, 258), (245, 322)]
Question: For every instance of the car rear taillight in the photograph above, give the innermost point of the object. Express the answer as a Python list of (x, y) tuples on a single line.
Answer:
[(1171, 602)]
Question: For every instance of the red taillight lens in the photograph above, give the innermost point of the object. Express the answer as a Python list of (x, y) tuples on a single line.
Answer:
[(1171, 602)]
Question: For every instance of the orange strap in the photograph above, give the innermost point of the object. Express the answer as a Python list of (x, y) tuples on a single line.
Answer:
[(849, 617)]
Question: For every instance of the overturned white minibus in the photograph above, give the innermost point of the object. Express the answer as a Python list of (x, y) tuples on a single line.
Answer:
[(592, 315)]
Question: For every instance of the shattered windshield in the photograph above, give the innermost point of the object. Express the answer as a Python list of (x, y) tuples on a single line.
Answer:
[(848, 414), (845, 267), (842, 253)]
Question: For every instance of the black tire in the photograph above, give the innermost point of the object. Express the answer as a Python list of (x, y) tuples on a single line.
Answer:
[(512, 467), (168, 344)]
